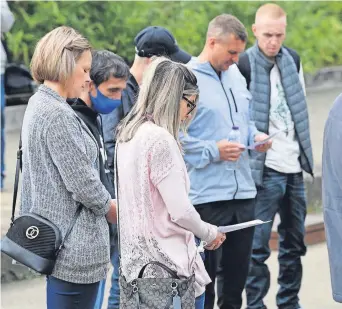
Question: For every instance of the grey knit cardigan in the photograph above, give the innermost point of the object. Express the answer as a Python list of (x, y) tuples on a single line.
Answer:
[(60, 170)]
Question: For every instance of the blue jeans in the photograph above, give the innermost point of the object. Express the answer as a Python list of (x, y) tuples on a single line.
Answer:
[(2, 130), (285, 194), (199, 303), (66, 295), (114, 295)]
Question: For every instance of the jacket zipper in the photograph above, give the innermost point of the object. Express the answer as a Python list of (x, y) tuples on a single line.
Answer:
[(267, 129), (231, 117), (236, 110)]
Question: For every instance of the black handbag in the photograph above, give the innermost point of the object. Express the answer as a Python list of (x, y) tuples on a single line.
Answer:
[(153, 293), (31, 239), (18, 80)]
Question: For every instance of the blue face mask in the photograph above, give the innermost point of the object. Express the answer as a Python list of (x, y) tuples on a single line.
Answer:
[(103, 104)]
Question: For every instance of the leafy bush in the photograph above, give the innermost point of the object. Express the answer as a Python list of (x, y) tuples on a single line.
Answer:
[(313, 26)]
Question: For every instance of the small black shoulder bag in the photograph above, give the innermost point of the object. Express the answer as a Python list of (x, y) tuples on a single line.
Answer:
[(31, 239)]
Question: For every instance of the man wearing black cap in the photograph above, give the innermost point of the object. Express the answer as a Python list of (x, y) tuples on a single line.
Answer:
[(158, 41), (149, 42)]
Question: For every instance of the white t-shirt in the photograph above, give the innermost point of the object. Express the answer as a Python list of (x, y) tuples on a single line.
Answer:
[(284, 154)]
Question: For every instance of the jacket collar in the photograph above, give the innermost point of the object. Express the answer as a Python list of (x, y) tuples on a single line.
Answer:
[(78, 105), (263, 60)]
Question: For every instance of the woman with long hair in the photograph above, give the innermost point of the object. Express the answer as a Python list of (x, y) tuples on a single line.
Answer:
[(157, 220)]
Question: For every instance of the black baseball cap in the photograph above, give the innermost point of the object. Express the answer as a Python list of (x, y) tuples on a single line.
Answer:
[(158, 41)]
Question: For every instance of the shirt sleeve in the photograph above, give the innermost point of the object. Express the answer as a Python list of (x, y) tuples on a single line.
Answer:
[(67, 149), (168, 177), (199, 153), (252, 129), (173, 191)]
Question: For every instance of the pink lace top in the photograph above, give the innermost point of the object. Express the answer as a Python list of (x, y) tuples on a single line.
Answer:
[(157, 220)]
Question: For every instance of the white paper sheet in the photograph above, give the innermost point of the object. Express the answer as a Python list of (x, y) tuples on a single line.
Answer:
[(240, 226)]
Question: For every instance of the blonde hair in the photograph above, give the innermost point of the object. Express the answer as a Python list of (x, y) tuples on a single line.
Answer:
[(271, 10), (164, 84), (56, 54)]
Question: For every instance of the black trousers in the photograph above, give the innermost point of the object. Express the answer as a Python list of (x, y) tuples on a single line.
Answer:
[(230, 263)]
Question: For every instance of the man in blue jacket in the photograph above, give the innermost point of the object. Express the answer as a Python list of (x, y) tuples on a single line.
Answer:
[(223, 195)]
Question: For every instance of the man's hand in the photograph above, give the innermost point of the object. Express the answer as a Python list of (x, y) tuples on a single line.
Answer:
[(218, 241), (264, 147), (230, 151), (111, 214)]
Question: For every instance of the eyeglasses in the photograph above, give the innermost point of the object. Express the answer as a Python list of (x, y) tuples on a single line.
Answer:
[(191, 105)]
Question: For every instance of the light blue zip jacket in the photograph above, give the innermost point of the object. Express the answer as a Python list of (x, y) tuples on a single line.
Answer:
[(332, 194), (222, 104)]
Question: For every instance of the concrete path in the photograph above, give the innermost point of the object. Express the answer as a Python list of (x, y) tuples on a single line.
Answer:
[(315, 292)]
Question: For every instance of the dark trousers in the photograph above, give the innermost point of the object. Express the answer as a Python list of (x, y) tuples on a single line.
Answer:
[(230, 262), (285, 194), (66, 295)]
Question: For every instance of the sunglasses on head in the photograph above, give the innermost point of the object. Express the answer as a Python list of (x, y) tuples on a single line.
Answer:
[(191, 105)]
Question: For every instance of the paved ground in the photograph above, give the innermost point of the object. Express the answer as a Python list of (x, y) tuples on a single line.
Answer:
[(315, 293)]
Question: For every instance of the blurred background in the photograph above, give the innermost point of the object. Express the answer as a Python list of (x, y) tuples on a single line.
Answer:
[(314, 31), (313, 26)]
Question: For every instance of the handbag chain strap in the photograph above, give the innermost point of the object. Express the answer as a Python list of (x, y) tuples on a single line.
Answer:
[(15, 194), (16, 179)]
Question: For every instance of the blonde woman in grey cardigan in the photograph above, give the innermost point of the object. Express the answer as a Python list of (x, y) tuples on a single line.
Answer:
[(61, 170)]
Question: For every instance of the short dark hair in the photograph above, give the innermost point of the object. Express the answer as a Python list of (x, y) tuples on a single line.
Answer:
[(105, 65), (227, 24)]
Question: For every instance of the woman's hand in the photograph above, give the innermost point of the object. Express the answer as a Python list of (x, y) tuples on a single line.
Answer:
[(218, 241), (111, 214)]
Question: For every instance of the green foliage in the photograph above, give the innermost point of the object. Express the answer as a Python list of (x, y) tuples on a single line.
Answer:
[(314, 27)]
